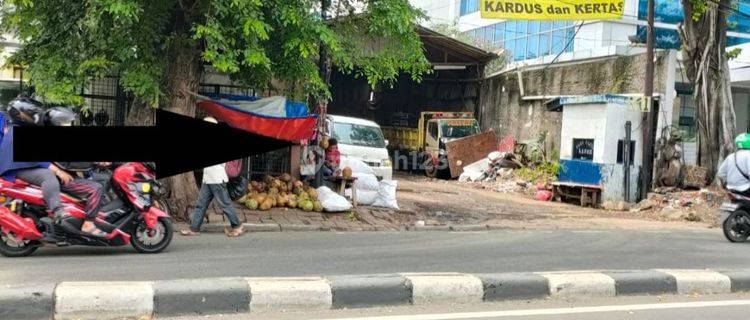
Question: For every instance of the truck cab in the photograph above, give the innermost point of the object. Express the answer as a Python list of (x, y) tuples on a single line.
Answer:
[(363, 140), (439, 128)]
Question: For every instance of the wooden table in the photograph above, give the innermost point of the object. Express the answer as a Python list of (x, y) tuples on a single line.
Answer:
[(343, 183)]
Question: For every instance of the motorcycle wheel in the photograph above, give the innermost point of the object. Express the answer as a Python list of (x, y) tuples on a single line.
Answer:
[(152, 241), (736, 228), (10, 247)]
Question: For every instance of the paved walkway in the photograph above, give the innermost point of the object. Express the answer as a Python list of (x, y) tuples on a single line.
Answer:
[(360, 219)]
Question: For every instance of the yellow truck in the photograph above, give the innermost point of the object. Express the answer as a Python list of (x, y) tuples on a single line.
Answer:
[(441, 144)]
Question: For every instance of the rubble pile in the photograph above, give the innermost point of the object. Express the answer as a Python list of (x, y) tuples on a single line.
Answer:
[(670, 203)]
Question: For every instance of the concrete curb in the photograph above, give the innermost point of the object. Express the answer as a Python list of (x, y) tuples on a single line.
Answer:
[(145, 299)]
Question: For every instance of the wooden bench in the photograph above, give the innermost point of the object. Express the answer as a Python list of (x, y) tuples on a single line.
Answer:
[(589, 195), (342, 183)]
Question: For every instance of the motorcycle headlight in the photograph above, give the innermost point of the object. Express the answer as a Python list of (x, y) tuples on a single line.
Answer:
[(145, 187)]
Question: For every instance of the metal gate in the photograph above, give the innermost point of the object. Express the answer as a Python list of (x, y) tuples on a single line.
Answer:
[(107, 102)]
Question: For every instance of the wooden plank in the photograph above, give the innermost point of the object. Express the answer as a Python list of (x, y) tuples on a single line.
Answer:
[(469, 150)]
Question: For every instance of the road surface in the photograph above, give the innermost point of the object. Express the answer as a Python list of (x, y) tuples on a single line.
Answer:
[(726, 307), (330, 253)]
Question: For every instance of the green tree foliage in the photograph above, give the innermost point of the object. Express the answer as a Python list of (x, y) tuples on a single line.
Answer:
[(68, 42)]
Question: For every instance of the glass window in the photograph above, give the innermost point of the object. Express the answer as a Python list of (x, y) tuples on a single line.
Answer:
[(570, 37), (558, 24), (533, 27), (520, 50), (521, 28), (499, 29), (510, 47), (544, 44), (358, 135), (469, 6), (451, 129), (558, 41), (545, 26), (510, 30), (489, 34), (532, 46), (432, 129)]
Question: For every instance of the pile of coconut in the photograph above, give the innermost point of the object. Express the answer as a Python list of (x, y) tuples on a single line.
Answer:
[(282, 191)]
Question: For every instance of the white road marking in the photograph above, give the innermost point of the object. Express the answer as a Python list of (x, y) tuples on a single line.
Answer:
[(559, 311)]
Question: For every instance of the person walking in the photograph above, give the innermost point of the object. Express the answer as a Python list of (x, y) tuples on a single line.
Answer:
[(214, 186)]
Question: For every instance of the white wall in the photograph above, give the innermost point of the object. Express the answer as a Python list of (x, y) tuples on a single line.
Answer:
[(605, 123), (438, 12), (617, 115), (587, 121)]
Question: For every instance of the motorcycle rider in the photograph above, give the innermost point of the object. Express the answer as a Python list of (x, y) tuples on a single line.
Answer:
[(26, 111), (735, 170)]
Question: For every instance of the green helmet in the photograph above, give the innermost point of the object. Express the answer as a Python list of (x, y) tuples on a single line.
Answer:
[(742, 141)]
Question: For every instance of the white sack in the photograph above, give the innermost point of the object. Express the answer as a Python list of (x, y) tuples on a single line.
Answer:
[(366, 182), (332, 201), (386, 197), (358, 167)]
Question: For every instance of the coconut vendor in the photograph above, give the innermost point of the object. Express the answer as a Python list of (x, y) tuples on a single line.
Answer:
[(332, 159)]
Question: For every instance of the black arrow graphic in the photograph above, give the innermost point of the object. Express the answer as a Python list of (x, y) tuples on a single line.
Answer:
[(176, 144)]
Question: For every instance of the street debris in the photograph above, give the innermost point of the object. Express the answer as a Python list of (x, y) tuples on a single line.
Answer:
[(671, 203), (516, 168)]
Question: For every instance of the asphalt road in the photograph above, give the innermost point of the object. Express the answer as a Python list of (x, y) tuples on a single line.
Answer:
[(328, 253), (728, 306)]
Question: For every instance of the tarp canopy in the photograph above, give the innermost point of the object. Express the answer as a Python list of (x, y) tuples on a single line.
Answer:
[(274, 117)]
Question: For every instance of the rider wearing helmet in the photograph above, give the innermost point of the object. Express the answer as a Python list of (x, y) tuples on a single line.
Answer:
[(735, 170), (26, 111)]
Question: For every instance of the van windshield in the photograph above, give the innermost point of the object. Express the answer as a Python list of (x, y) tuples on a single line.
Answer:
[(358, 135)]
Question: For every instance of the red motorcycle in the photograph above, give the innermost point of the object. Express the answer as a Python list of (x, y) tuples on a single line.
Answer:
[(134, 215)]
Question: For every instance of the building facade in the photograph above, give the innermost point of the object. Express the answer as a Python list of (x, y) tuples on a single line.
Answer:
[(535, 45), (10, 76)]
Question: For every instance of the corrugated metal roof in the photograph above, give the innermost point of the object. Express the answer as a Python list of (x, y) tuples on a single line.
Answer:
[(455, 46)]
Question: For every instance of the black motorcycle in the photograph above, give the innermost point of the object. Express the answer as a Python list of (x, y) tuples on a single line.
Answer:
[(735, 217)]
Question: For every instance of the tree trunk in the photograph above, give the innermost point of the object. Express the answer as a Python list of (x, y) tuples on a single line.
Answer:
[(183, 76), (704, 42)]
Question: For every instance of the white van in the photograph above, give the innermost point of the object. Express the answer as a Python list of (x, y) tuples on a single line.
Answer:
[(361, 139)]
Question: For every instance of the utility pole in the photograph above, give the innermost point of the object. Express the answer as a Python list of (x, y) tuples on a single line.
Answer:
[(647, 161)]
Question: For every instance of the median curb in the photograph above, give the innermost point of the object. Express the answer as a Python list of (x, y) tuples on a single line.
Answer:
[(197, 297)]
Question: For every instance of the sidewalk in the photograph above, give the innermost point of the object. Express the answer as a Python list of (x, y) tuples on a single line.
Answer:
[(149, 299), (362, 218)]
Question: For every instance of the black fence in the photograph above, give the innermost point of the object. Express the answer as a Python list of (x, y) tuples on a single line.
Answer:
[(106, 101)]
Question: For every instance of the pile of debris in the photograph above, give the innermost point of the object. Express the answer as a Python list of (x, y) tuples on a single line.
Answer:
[(670, 203)]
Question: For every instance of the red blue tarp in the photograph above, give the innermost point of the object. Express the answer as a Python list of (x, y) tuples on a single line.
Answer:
[(294, 123)]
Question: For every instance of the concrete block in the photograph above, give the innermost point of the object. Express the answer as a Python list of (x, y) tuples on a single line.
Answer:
[(306, 293), (261, 227), (642, 282), (740, 279), (513, 286), (26, 302), (429, 228), (214, 227), (574, 284), (445, 287), (299, 227), (369, 291), (201, 296), (104, 300), (700, 281)]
